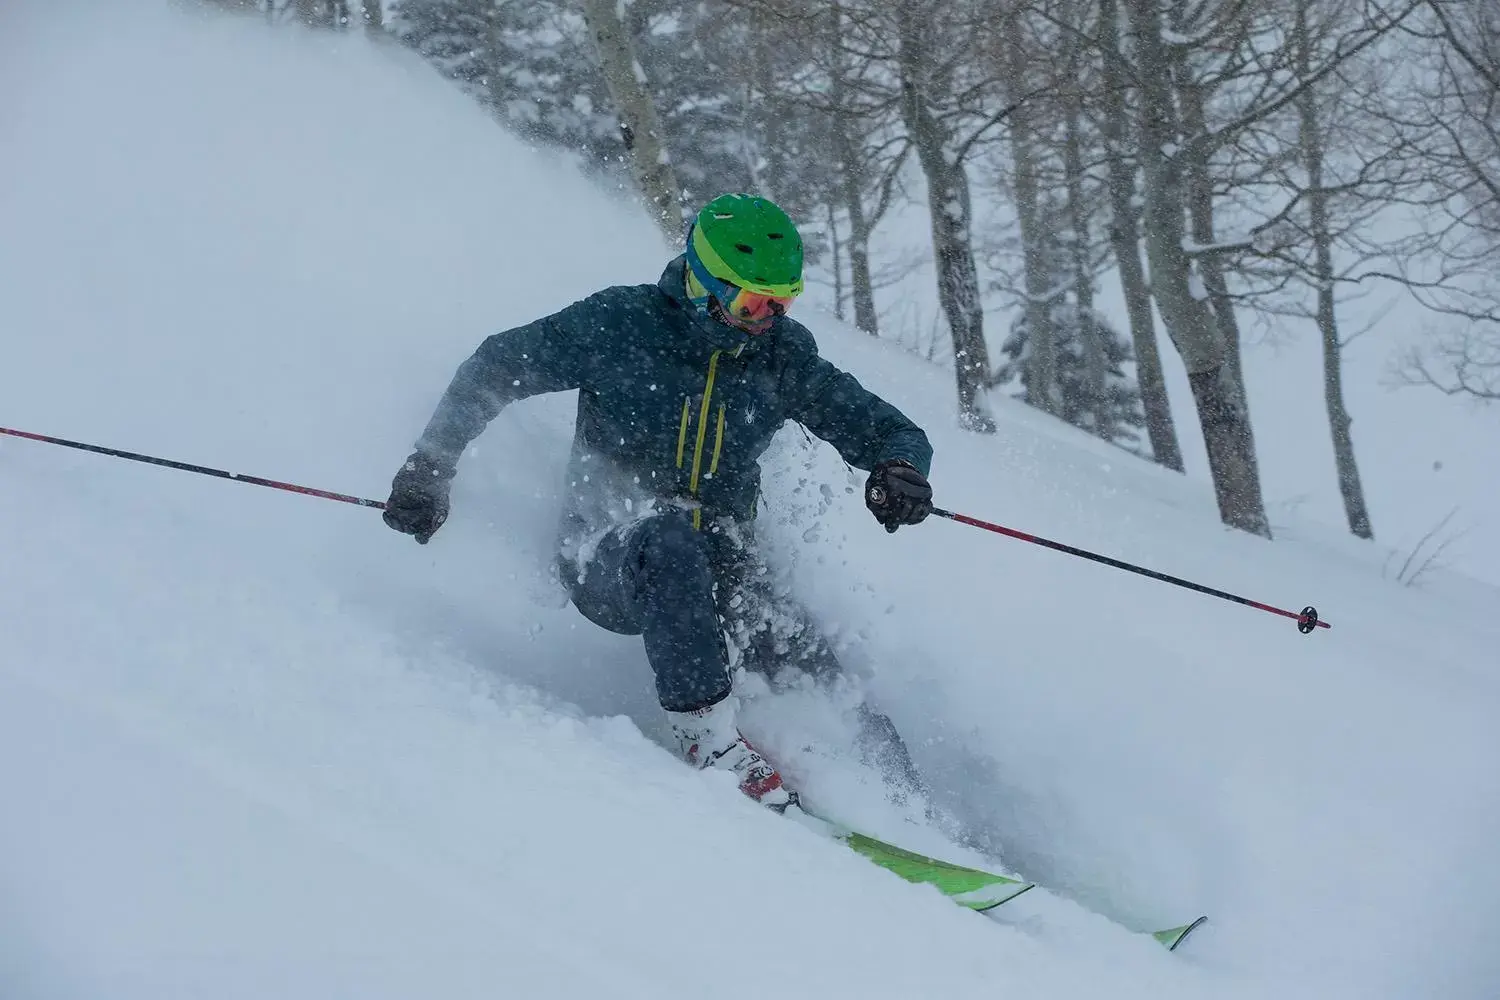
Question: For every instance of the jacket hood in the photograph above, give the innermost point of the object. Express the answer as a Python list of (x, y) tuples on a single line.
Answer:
[(720, 336)]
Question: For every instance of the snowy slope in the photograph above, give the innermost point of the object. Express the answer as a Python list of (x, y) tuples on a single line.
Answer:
[(256, 744)]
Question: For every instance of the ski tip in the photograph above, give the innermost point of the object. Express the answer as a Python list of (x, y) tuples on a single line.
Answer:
[(1174, 936), (984, 906)]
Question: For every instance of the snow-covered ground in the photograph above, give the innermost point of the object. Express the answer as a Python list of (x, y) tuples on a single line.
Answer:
[(255, 744)]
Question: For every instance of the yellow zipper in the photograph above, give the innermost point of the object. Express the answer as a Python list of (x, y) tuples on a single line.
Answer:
[(708, 392), (682, 430), (713, 466)]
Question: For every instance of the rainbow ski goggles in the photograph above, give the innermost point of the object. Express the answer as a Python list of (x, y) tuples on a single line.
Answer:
[(751, 310)]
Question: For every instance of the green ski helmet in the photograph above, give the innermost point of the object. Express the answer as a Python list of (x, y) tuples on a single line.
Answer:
[(744, 259)]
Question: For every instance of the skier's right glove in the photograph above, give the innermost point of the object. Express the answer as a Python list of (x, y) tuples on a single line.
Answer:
[(419, 497), (897, 493)]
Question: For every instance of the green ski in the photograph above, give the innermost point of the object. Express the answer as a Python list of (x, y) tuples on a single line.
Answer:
[(1174, 936), (978, 890), (973, 888), (970, 887)]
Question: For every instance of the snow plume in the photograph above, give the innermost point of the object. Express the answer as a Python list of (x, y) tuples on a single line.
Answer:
[(255, 745)]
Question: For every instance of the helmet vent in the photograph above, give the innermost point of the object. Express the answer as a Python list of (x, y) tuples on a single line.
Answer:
[(775, 236), (744, 248)]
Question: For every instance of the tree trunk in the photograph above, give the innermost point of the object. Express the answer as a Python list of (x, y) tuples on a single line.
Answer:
[(852, 188), (1231, 452), (626, 81), (332, 14), (374, 17), (836, 245), (948, 203), (1041, 357), (1351, 487), (958, 285), (1125, 242), (1095, 366), (1200, 199), (756, 109), (862, 286), (1191, 324), (851, 181)]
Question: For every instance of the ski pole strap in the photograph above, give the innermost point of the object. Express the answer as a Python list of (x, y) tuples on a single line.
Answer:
[(1307, 620), (202, 470)]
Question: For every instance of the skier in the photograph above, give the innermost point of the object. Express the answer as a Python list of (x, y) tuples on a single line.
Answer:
[(681, 386)]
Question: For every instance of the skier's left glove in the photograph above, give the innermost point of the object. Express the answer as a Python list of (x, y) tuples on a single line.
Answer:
[(897, 493), (419, 497)]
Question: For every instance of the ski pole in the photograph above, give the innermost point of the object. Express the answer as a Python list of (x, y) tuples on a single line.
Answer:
[(200, 469), (1306, 621)]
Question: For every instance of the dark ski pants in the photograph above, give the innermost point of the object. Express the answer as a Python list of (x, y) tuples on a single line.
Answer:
[(684, 590), (681, 590)]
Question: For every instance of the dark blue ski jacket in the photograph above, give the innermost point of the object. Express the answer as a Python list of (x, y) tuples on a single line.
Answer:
[(673, 407)]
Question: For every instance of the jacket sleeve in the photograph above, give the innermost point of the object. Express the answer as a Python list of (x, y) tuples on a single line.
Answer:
[(552, 354), (832, 404)]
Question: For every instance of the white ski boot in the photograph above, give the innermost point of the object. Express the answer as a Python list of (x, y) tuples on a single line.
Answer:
[(709, 738)]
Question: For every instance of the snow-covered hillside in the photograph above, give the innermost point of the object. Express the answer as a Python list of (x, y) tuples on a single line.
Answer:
[(255, 744)]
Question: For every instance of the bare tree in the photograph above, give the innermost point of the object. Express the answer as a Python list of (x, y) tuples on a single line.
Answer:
[(1076, 184), (1125, 239), (1463, 157), (1466, 363), (325, 14), (927, 71), (846, 128), (1312, 133), (321, 13), (840, 91), (1015, 58), (236, 6), (1214, 75), (1179, 290), (1313, 184), (1069, 355), (628, 87)]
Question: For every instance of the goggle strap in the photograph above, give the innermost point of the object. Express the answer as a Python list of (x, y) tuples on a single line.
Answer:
[(716, 287)]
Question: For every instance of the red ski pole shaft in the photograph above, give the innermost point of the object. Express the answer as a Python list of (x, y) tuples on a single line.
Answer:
[(202, 470), (1306, 621)]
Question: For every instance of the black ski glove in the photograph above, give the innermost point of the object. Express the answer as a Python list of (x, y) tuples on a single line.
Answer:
[(419, 497), (897, 493)]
